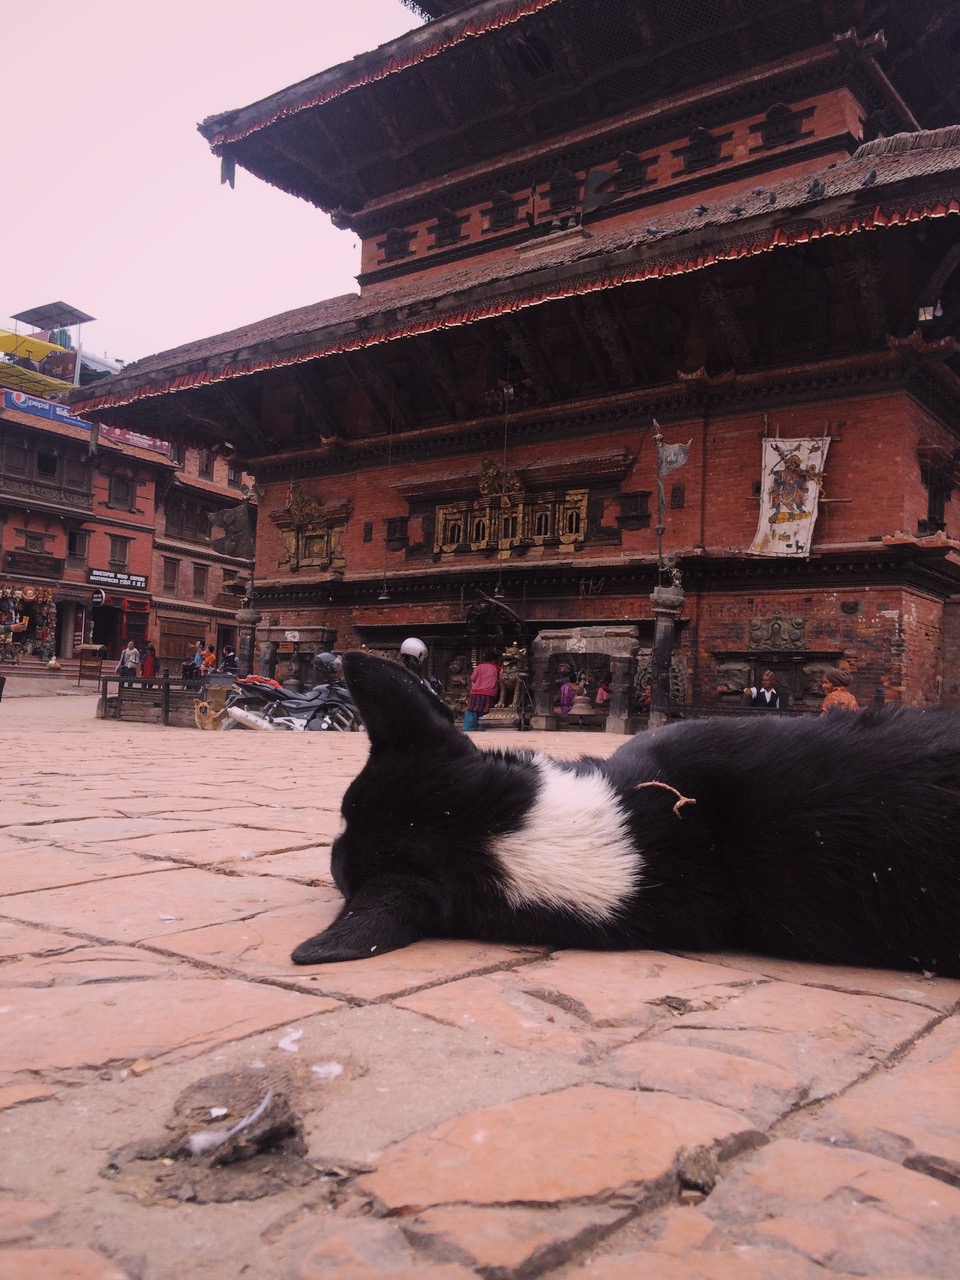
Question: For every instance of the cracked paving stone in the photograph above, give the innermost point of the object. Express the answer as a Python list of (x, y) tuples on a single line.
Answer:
[(32, 868), (761, 1092), (138, 908), (20, 1219), (24, 940), (261, 947), (911, 1115), (362, 1250), (616, 988), (103, 830), (936, 993), (500, 1007), (745, 1262), (54, 1028), (843, 1210), (58, 1264), (13, 1094), (584, 1142), (823, 1039), (510, 1241)]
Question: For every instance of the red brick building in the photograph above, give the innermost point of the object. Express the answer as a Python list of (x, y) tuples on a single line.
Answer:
[(581, 218), (91, 522)]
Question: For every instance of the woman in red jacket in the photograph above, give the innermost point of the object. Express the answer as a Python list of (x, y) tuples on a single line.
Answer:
[(484, 691)]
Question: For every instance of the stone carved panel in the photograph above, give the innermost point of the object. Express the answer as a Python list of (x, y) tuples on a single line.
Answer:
[(777, 632)]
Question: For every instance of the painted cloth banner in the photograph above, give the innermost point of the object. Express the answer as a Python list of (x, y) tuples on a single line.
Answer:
[(789, 496)]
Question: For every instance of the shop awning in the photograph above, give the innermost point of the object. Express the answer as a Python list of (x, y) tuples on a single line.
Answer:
[(25, 344), (13, 378)]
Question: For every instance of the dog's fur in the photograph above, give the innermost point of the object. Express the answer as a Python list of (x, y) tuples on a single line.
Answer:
[(832, 839)]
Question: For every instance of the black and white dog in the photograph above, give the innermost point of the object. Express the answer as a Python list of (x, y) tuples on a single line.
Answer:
[(833, 839)]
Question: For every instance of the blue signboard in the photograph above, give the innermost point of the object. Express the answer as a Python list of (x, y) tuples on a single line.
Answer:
[(40, 408)]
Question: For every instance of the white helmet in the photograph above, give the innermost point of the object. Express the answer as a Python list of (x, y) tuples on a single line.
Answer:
[(413, 650)]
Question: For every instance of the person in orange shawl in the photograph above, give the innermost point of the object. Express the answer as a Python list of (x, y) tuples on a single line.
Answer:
[(838, 696)]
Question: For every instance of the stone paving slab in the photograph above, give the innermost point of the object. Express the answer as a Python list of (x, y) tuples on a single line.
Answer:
[(942, 994), (81, 1027), (309, 864), (467, 1110), (152, 905), (23, 940), (310, 819), (207, 845), (260, 947), (104, 829), (911, 1115), (584, 1143), (30, 868), (59, 1264), (14, 813), (825, 1039)]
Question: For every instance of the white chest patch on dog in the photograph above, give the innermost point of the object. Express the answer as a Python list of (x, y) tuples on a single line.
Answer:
[(574, 851)]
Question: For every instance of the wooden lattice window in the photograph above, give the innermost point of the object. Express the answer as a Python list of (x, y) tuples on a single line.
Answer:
[(632, 172), (634, 510), (938, 473), (78, 542), (119, 552), (702, 151), (564, 190), (503, 211), (447, 228), (121, 493), (397, 244), (780, 126), (397, 532)]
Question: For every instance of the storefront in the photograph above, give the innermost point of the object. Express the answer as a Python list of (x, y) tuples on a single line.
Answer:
[(28, 619)]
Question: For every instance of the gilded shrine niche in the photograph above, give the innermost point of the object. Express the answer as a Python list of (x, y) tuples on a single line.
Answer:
[(505, 515), (311, 533)]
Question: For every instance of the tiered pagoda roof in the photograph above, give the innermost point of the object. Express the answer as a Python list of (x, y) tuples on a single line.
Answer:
[(888, 183)]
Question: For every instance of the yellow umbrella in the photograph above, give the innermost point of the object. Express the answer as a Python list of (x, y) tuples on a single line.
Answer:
[(24, 344)]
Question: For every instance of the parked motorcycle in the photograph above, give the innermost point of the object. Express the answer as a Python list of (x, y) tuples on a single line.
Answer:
[(256, 702)]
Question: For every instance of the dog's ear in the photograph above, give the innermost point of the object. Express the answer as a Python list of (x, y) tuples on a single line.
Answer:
[(397, 709), (388, 912)]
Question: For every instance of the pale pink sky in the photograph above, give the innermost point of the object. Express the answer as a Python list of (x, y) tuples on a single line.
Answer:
[(111, 198)]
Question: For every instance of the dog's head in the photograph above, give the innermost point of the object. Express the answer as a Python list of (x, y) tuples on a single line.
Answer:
[(403, 815)]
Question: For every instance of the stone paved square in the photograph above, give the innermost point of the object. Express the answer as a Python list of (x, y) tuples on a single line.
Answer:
[(465, 1110)]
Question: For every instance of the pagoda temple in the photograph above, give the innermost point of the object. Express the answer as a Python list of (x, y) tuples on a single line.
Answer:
[(659, 301)]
